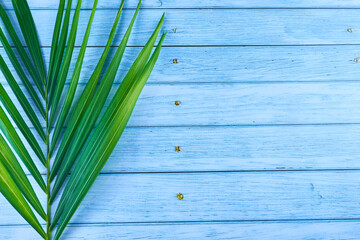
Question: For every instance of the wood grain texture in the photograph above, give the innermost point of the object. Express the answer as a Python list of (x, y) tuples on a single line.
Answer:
[(46, 4), (269, 123), (202, 27), (313, 147), (235, 64), (215, 197), (245, 104), (297, 230)]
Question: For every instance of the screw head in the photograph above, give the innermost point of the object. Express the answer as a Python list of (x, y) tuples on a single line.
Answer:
[(178, 148), (177, 102), (180, 196)]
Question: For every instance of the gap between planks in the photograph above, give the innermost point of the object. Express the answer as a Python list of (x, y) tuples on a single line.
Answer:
[(230, 171), (100, 224)]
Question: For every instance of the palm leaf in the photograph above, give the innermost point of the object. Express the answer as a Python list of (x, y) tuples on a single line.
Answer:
[(9, 160), (107, 134), (11, 135), (86, 123), (21, 97), (12, 193), (20, 122), (28, 29), (21, 50), (76, 74), (59, 64), (84, 146), (22, 74), (55, 40), (85, 97)]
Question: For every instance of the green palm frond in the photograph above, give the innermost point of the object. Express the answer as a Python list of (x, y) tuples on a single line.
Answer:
[(92, 130)]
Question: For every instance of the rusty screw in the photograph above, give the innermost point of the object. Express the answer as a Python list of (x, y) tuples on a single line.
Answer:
[(177, 102), (180, 196), (178, 148), (175, 60)]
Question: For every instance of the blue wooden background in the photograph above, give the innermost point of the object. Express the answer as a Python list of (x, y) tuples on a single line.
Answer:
[(268, 125)]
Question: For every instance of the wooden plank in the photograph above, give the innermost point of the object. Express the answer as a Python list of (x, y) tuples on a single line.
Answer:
[(220, 27), (215, 197), (44, 4), (298, 230), (152, 149), (235, 64), (245, 104)]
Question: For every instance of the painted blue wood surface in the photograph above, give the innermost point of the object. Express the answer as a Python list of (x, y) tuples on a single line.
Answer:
[(236, 64), (219, 27), (298, 230), (245, 104), (46, 4), (269, 124), (216, 196), (237, 148)]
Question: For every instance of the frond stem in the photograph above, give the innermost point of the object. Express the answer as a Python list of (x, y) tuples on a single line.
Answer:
[(48, 184)]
